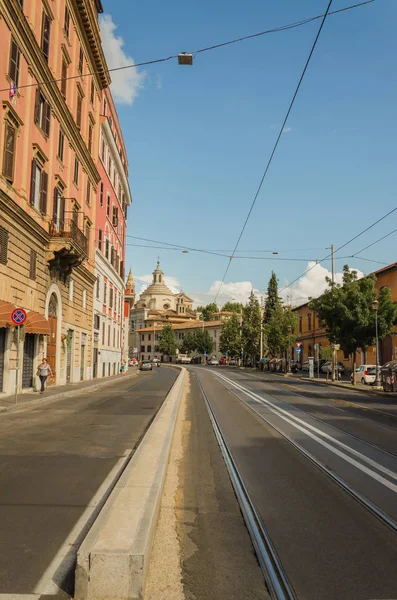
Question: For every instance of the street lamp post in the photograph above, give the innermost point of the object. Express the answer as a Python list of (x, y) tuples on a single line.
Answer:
[(375, 306)]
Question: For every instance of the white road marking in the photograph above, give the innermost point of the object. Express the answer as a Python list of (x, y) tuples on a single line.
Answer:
[(46, 585), (305, 429)]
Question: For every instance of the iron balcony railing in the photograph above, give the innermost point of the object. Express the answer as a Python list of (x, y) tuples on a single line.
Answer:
[(68, 228)]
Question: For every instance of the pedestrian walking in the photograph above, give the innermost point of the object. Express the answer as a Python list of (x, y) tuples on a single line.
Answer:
[(43, 371)]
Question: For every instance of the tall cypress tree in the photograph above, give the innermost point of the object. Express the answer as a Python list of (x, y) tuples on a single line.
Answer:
[(273, 300), (251, 329)]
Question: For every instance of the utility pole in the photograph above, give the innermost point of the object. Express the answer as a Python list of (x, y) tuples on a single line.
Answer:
[(262, 310), (334, 362)]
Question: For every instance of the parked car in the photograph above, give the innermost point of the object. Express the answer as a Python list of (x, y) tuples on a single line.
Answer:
[(327, 367), (365, 374), (156, 362), (222, 361), (213, 362), (305, 366), (132, 362), (145, 365), (232, 362)]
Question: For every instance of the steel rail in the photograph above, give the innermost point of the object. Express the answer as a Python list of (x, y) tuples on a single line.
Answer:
[(273, 572), (360, 498)]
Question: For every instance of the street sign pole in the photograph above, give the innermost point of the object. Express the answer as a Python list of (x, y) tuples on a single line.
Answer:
[(17, 366)]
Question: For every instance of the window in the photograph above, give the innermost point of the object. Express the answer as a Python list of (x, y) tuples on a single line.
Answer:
[(76, 171), (100, 239), (101, 194), (149, 337), (81, 59), (109, 165), (61, 144), (97, 322), (108, 206), (88, 195), (92, 93), (103, 150), (105, 289), (142, 337), (88, 233), (98, 289), (107, 247), (38, 187), (70, 292), (103, 336), (66, 24), (84, 299), (111, 298), (32, 265), (79, 107), (142, 350), (64, 77), (104, 106), (115, 216), (345, 355), (20, 3), (300, 324), (114, 178), (45, 36), (122, 269), (3, 245), (119, 196), (149, 348), (90, 137), (9, 151), (109, 341), (114, 340), (13, 69), (42, 113), (309, 322), (58, 213)]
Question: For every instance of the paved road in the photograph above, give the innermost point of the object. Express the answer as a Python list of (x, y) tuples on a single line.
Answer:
[(330, 545), (53, 461)]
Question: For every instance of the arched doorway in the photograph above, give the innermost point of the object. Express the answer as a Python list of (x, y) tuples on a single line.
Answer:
[(52, 342)]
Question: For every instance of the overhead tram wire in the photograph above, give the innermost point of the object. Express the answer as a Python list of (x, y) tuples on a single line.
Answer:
[(201, 50), (275, 146), (340, 248)]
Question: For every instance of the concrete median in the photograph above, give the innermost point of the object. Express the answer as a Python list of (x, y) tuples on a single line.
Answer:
[(113, 560)]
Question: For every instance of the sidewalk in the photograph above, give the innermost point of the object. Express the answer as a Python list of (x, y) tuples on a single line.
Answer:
[(53, 393)]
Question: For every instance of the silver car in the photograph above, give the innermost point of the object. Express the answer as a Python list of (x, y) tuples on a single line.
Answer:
[(145, 365)]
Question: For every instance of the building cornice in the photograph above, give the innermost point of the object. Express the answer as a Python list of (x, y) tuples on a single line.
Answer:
[(116, 157), (89, 24), (38, 67)]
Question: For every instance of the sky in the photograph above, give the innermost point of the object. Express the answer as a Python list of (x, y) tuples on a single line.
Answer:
[(199, 137)]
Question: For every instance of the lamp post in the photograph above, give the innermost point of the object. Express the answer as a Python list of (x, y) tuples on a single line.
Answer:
[(289, 349), (262, 311), (375, 306)]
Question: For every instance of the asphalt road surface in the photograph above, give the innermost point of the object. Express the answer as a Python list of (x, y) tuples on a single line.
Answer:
[(56, 464), (323, 476)]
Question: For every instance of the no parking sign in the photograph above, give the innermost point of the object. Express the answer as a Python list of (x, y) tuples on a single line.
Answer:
[(18, 316)]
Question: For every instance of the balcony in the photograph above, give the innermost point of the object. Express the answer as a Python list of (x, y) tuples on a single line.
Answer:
[(68, 247)]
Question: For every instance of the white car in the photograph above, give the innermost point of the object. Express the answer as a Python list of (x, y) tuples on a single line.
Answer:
[(365, 374), (213, 362)]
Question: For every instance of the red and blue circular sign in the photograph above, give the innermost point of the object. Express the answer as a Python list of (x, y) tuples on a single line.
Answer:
[(18, 316)]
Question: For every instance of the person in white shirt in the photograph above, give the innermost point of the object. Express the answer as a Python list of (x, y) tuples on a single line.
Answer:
[(43, 371)]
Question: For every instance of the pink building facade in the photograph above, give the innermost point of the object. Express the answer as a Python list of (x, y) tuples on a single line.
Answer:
[(49, 180), (113, 200)]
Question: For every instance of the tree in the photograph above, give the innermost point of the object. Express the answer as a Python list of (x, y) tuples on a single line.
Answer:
[(326, 352), (348, 314), (230, 339), (188, 343), (206, 311), (273, 301), (204, 343), (280, 330), (251, 327), (236, 307), (167, 341)]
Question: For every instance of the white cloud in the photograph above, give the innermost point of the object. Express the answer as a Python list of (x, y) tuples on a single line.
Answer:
[(287, 129), (127, 83), (311, 285)]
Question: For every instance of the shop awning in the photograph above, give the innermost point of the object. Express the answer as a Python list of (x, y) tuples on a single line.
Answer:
[(37, 323), (6, 309)]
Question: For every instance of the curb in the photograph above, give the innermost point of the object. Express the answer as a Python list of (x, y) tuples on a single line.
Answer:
[(67, 394), (113, 560)]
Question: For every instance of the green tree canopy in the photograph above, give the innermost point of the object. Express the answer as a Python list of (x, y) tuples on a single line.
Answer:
[(230, 340), (273, 301), (167, 341), (348, 314), (204, 343), (326, 352), (236, 307), (206, 311), (280, 329), (188, 343), (251, 327)]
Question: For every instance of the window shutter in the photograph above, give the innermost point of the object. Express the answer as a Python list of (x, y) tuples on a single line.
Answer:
[(9, 150), (55, 208), (13, 69), (43, 192), (100, 239), (47, 118), (37, 107), (32, 266), (33, 181), (62, 213), (122, 269), (3, 245), (45, 36), (64, 75)]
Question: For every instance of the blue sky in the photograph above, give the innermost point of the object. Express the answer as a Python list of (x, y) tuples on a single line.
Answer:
[(198, 138)]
